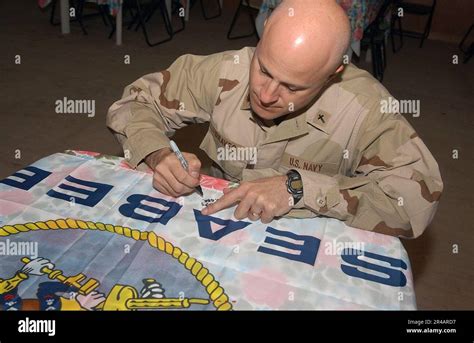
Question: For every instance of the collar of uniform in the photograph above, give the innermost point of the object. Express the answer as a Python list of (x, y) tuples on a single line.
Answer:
[(319, 119), (296, 126), (327, 99), (246, 102), (288, 129)]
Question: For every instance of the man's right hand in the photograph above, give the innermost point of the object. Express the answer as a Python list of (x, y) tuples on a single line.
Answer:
[(169, 176)]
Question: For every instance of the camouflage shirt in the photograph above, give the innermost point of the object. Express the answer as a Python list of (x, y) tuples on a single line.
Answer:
[(359, 165)]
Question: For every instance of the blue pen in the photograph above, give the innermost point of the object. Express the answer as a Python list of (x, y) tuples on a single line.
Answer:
[(184, 163)]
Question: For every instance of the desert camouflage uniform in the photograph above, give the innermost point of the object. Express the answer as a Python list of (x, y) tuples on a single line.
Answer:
[(367, 168)]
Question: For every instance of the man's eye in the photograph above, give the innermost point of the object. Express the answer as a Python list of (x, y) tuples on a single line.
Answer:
[(292, 90), (264, 72)]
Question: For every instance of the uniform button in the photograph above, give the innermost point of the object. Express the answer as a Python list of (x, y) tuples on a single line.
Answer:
[(321, 202)]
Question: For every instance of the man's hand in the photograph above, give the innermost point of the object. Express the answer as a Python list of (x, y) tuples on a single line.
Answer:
[(261, 199), (169, 176)]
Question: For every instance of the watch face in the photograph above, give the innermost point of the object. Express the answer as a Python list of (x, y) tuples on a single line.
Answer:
[(297, 185), (294, 184)]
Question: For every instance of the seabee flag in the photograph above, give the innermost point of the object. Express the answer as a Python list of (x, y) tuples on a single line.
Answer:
[(82, 232)]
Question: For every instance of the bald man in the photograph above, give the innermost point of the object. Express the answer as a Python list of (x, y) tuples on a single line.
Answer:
[(303, 133)]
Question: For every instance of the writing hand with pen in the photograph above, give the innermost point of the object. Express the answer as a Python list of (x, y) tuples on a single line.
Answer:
[(175, 173)]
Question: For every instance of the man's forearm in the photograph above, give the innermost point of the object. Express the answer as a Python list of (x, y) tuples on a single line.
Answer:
[(363, 202), (143, 118)]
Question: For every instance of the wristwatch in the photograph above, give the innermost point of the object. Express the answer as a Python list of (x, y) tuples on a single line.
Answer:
[(294, 185)]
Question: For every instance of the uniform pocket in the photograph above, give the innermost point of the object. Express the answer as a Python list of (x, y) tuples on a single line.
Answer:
[(212, 145)]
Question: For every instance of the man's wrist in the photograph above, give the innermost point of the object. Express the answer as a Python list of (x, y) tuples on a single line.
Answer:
[(156, 156)]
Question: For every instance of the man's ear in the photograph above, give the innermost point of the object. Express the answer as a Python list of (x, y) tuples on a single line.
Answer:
[(335, 74)]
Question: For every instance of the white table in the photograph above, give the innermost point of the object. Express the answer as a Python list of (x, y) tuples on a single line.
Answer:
[(66, 28)]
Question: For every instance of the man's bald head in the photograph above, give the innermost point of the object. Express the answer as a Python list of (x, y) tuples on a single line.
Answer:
[(302, 45), (313, 34)]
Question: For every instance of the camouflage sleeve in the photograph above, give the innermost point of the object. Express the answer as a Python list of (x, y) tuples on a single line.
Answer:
[(394, 184), (156, 105)]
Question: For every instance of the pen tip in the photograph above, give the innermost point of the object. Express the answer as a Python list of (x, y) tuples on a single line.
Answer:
[(199, 191)]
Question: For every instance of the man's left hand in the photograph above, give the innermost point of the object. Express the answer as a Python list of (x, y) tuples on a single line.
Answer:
[(261, 199)]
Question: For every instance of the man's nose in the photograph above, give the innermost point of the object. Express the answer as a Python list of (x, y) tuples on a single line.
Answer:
[(269, 93)]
